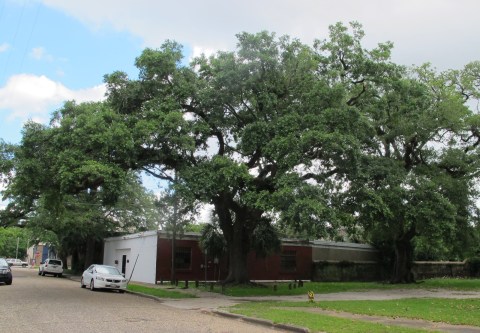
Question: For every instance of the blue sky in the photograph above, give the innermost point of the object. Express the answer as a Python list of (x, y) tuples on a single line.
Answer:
[(47, 51), (57, 50)]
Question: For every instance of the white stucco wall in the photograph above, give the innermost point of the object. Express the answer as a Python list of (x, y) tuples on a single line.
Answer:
[(140, 247)]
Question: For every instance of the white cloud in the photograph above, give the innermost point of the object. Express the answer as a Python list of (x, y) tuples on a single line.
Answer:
[(39, 53), (440, 31), (205, 213), (4, 47), (28, 96), (198, 51)]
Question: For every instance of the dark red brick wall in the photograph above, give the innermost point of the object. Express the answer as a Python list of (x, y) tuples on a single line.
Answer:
[(268, 268)]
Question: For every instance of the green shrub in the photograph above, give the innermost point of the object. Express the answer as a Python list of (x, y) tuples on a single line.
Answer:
[(345, 264), (473, 266)]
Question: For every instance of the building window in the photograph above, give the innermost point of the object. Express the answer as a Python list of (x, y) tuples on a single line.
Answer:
[(183, 257), (288, 261)]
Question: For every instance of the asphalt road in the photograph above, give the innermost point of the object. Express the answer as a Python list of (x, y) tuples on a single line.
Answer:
[(36, 303)]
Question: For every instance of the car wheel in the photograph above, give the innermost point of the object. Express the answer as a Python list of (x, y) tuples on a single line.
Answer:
[(121, 291), (39, 272), (23, 265), (59, 275), (81, 283), (9, 282), (43, 273), (92, 286)]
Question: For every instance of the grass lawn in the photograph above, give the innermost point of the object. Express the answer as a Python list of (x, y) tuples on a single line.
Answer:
[(452, 311), (159, 292), (332, 287), (450, 283), (314, 322)]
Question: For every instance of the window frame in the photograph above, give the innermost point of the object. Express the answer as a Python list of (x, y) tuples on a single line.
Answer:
[(288, 261), (181, 252)]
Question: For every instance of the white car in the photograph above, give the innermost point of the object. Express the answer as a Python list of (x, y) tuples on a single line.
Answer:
[(17, 262), (51, 266), (103, 277)]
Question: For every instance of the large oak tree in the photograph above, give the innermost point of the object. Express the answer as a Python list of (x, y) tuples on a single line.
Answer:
[(265, 134), (274, 132)]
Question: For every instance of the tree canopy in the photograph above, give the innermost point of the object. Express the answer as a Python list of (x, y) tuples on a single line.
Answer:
[(14, 242), (311, 139), (64, 178)]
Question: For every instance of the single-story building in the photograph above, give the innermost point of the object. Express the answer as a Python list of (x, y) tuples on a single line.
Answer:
[(134, 255), (38, 253), (147, 257)]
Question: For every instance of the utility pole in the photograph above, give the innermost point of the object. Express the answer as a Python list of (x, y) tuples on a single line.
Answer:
[(205, 267), (174, 231), (16, 252)]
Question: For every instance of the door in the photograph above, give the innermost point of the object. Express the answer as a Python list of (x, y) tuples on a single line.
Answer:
[(124, 263), (122, 260)]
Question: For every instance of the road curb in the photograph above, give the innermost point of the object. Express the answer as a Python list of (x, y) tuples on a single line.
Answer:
[(155, 298), (258, 321)]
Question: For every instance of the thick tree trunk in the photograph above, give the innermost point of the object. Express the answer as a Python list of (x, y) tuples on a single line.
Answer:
[(64, 258), (402, 271), (238, 245), (90, 252), (237, 232), (237, 270), (77, 265)]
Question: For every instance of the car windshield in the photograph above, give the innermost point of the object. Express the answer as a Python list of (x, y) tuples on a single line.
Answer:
[(107, 270), (54, 262), (3, 262)]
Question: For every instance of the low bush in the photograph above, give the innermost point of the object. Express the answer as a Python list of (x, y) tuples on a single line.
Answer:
[(473, 266)]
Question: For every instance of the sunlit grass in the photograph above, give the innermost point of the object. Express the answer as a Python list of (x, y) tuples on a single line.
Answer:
[(314, 321), (452, 311)]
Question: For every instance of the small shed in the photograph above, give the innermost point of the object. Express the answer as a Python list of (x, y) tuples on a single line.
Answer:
[(134, 255)]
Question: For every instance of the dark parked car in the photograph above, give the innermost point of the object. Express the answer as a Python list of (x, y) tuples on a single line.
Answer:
[(5, 272)]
